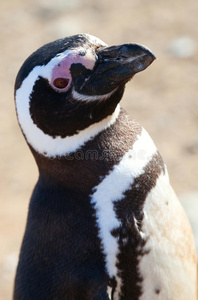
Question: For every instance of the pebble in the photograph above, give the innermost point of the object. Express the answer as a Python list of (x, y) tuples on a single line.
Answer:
[(192, 148), (182, 47)]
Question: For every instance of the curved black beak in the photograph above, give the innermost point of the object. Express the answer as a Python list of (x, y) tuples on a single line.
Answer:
[(115, 66)]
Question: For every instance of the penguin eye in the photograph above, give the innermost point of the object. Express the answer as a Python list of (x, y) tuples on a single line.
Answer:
[(61, 83)]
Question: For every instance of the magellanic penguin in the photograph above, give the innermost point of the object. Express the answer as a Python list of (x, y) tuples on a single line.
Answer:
[(103, 221)]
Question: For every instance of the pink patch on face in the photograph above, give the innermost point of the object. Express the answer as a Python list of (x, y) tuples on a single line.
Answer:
[(88, 60), (62, 69)]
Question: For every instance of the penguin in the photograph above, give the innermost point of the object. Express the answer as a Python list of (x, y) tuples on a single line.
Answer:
[(103, 221)]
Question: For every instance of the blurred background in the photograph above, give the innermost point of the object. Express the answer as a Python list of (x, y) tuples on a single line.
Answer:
[(164, 98)]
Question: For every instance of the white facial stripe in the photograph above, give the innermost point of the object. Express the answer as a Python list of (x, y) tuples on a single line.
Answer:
[(169, 267), (111, 189), (42, 142), (82, 97)]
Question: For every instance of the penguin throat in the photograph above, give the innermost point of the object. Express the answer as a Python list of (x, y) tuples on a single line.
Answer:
[(52, 147)]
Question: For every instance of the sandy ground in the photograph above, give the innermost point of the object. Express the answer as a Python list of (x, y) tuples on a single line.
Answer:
[(164, 98)]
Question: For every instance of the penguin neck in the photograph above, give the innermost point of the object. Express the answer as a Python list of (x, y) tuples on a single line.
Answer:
[(88, 165), (84, 163)]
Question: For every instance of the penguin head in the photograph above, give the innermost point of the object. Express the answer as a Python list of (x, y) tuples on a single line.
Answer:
[(71, 84)]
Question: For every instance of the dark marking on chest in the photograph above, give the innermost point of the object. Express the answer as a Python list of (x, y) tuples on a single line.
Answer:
[(129, 211)]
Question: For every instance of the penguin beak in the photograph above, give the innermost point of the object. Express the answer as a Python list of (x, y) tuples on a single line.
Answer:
[(116, 65)]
